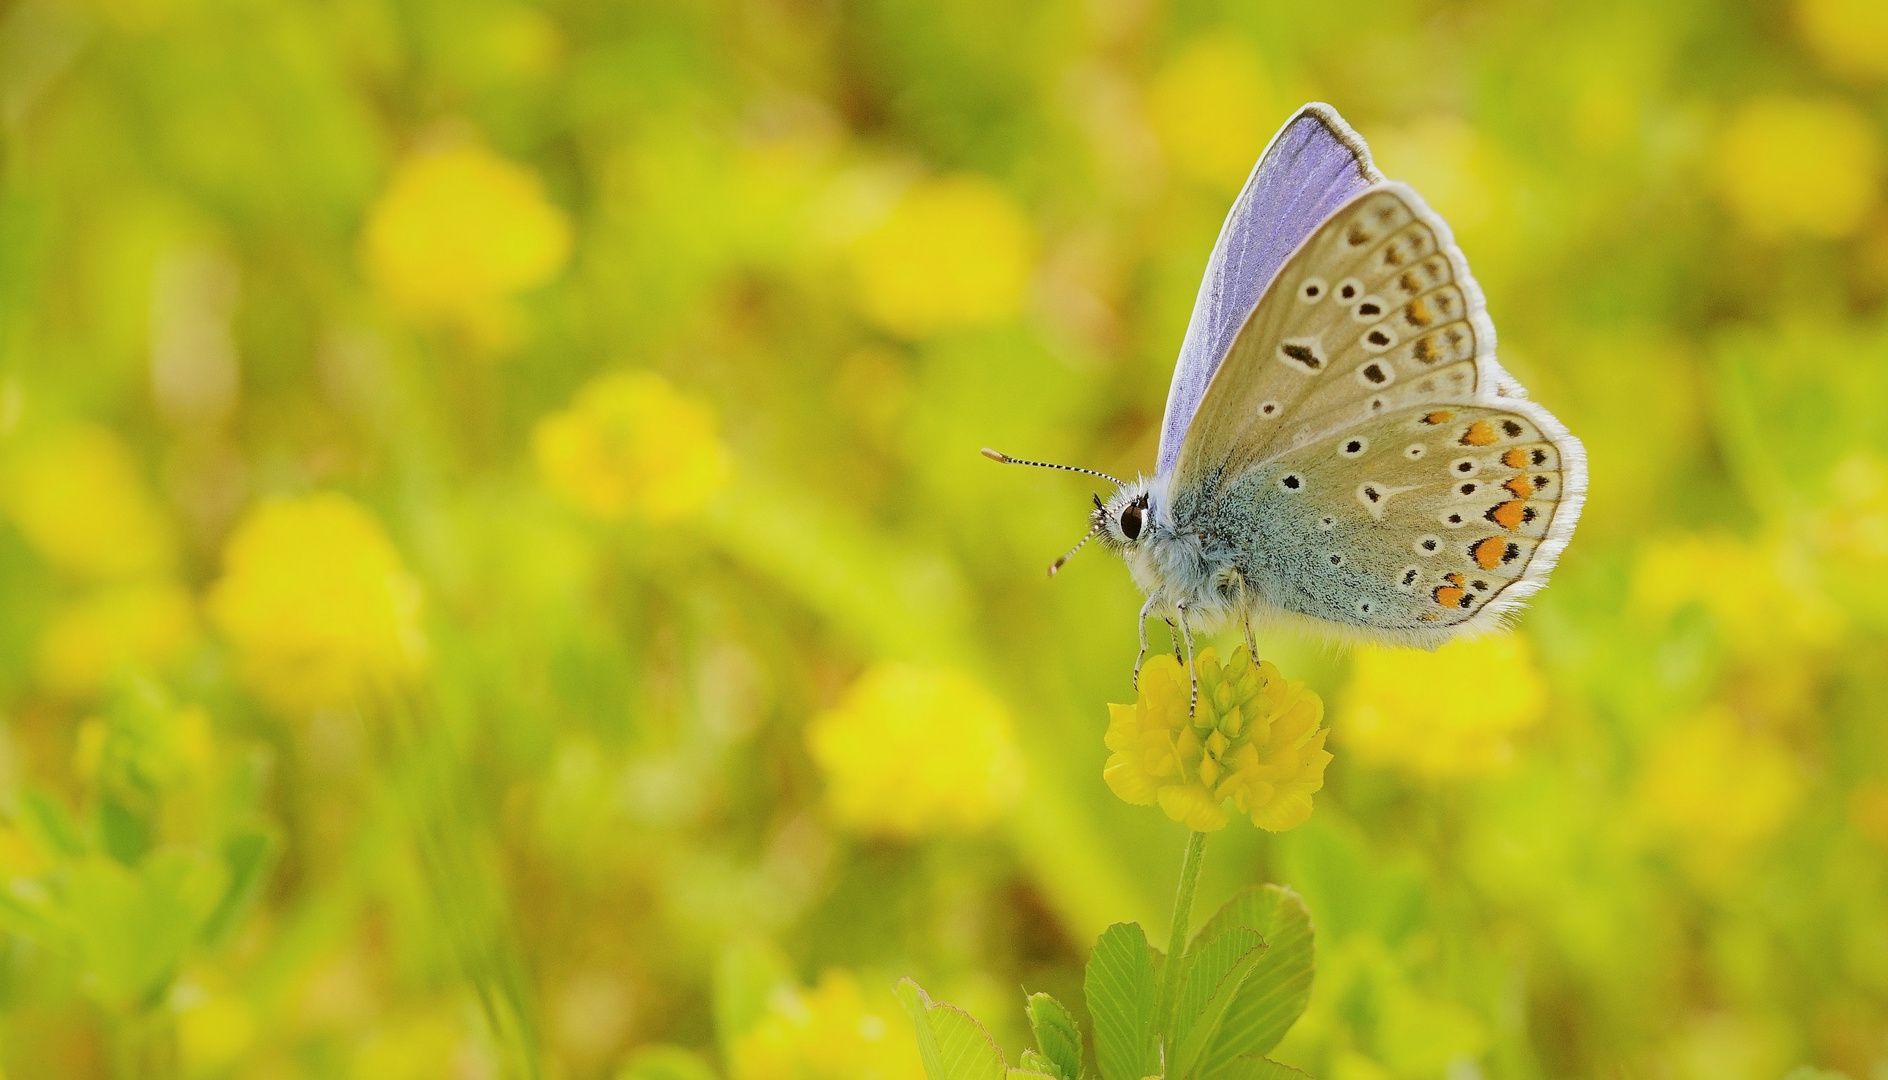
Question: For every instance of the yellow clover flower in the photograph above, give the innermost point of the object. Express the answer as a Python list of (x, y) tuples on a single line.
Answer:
[(912, 751), (1799, 165), (1254, 739), (1212, 108), (1443, 714), (1851, 36), (830, 1032), (459, 230), (1719, 790), (631, 443), (316, 603), (954, 253), (120, 626), (78, 499)]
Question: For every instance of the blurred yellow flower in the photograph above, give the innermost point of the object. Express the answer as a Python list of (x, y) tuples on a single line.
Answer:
[(1213, 110), (1809, 166), (1443, 714), (1254, 739), (1719, 789), (144, 624), (458, 230), (80, 502), (316, 603), (954, 253), (830, 1032), (910, 751), (1757, 592), (631, 444), (1850, 36), (213, 1034)]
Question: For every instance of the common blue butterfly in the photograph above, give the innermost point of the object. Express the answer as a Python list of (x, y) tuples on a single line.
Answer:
[(1340, 445)]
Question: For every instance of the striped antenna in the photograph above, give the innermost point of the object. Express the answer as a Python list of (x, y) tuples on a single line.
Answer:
[(1057, 565), (1008, 460)]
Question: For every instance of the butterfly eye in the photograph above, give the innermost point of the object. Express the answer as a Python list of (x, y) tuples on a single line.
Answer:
[(1131, 521)]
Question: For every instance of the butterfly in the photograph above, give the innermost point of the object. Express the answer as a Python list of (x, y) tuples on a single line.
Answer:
[(1340, 447)]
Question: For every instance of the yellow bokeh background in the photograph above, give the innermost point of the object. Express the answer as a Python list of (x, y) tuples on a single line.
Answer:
[(497, 579)]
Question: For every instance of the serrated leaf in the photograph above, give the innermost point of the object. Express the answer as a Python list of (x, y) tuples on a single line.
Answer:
[(1253, 1067), (1058, 1039), (1216, 969), (951, 1044), (1120, 989), (1279, 988)]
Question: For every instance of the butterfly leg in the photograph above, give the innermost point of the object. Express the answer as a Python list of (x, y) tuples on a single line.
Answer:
[(1141, 623), (1186, 635), (1252, 645), (1174, 633)]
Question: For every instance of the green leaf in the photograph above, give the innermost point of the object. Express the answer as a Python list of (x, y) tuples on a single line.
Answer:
[(1253, 1067), (1121, 993), (1279, 988), (952, 1045), (1216, 969), (1057, 1037), (247, 855)]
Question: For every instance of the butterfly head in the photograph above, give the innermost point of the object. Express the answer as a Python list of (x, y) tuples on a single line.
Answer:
[(1126, 519)]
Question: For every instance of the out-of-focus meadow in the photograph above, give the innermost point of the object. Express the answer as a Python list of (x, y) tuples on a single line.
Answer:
[(496, 577)]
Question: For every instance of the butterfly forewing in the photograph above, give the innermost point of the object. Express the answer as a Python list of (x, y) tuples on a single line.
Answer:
[(1313, 165), (1375, 310)]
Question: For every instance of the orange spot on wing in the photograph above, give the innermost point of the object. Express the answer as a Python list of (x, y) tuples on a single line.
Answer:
[(1453, 579), (1520, 487), (1509, 515), (1437, 417), (1515, 458), (1488, 552), (1449, 595), (1480, 433)]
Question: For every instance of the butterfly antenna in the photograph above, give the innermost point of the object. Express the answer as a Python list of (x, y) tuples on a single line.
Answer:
[(1057, 565), (1008, 460)]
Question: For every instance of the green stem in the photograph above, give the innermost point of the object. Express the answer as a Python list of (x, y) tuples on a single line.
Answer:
[(1177, 941)]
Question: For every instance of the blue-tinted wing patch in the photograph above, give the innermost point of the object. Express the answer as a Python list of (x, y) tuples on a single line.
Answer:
[(1314, 165)]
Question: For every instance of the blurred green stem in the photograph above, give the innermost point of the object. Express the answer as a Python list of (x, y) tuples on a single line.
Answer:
[(1177, 941)]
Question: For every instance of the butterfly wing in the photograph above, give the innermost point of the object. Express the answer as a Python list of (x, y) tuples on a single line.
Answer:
[(1313, 165), (1360, 415)]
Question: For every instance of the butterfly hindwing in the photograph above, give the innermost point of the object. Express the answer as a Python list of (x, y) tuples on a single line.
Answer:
[(1313, 165), (1413, 523)]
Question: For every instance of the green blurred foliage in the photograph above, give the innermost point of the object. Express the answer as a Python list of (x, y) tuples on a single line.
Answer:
[(498, 764)]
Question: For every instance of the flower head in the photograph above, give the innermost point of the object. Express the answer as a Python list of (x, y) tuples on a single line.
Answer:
[(461, 229), (830, 1032), (954, 253), (1799, 165), (911, 751), (80, 502), (1850, 36), (131, 625), (631, 443), (1254, 739), (316, 602), (1443, 714), (1211, 106)]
